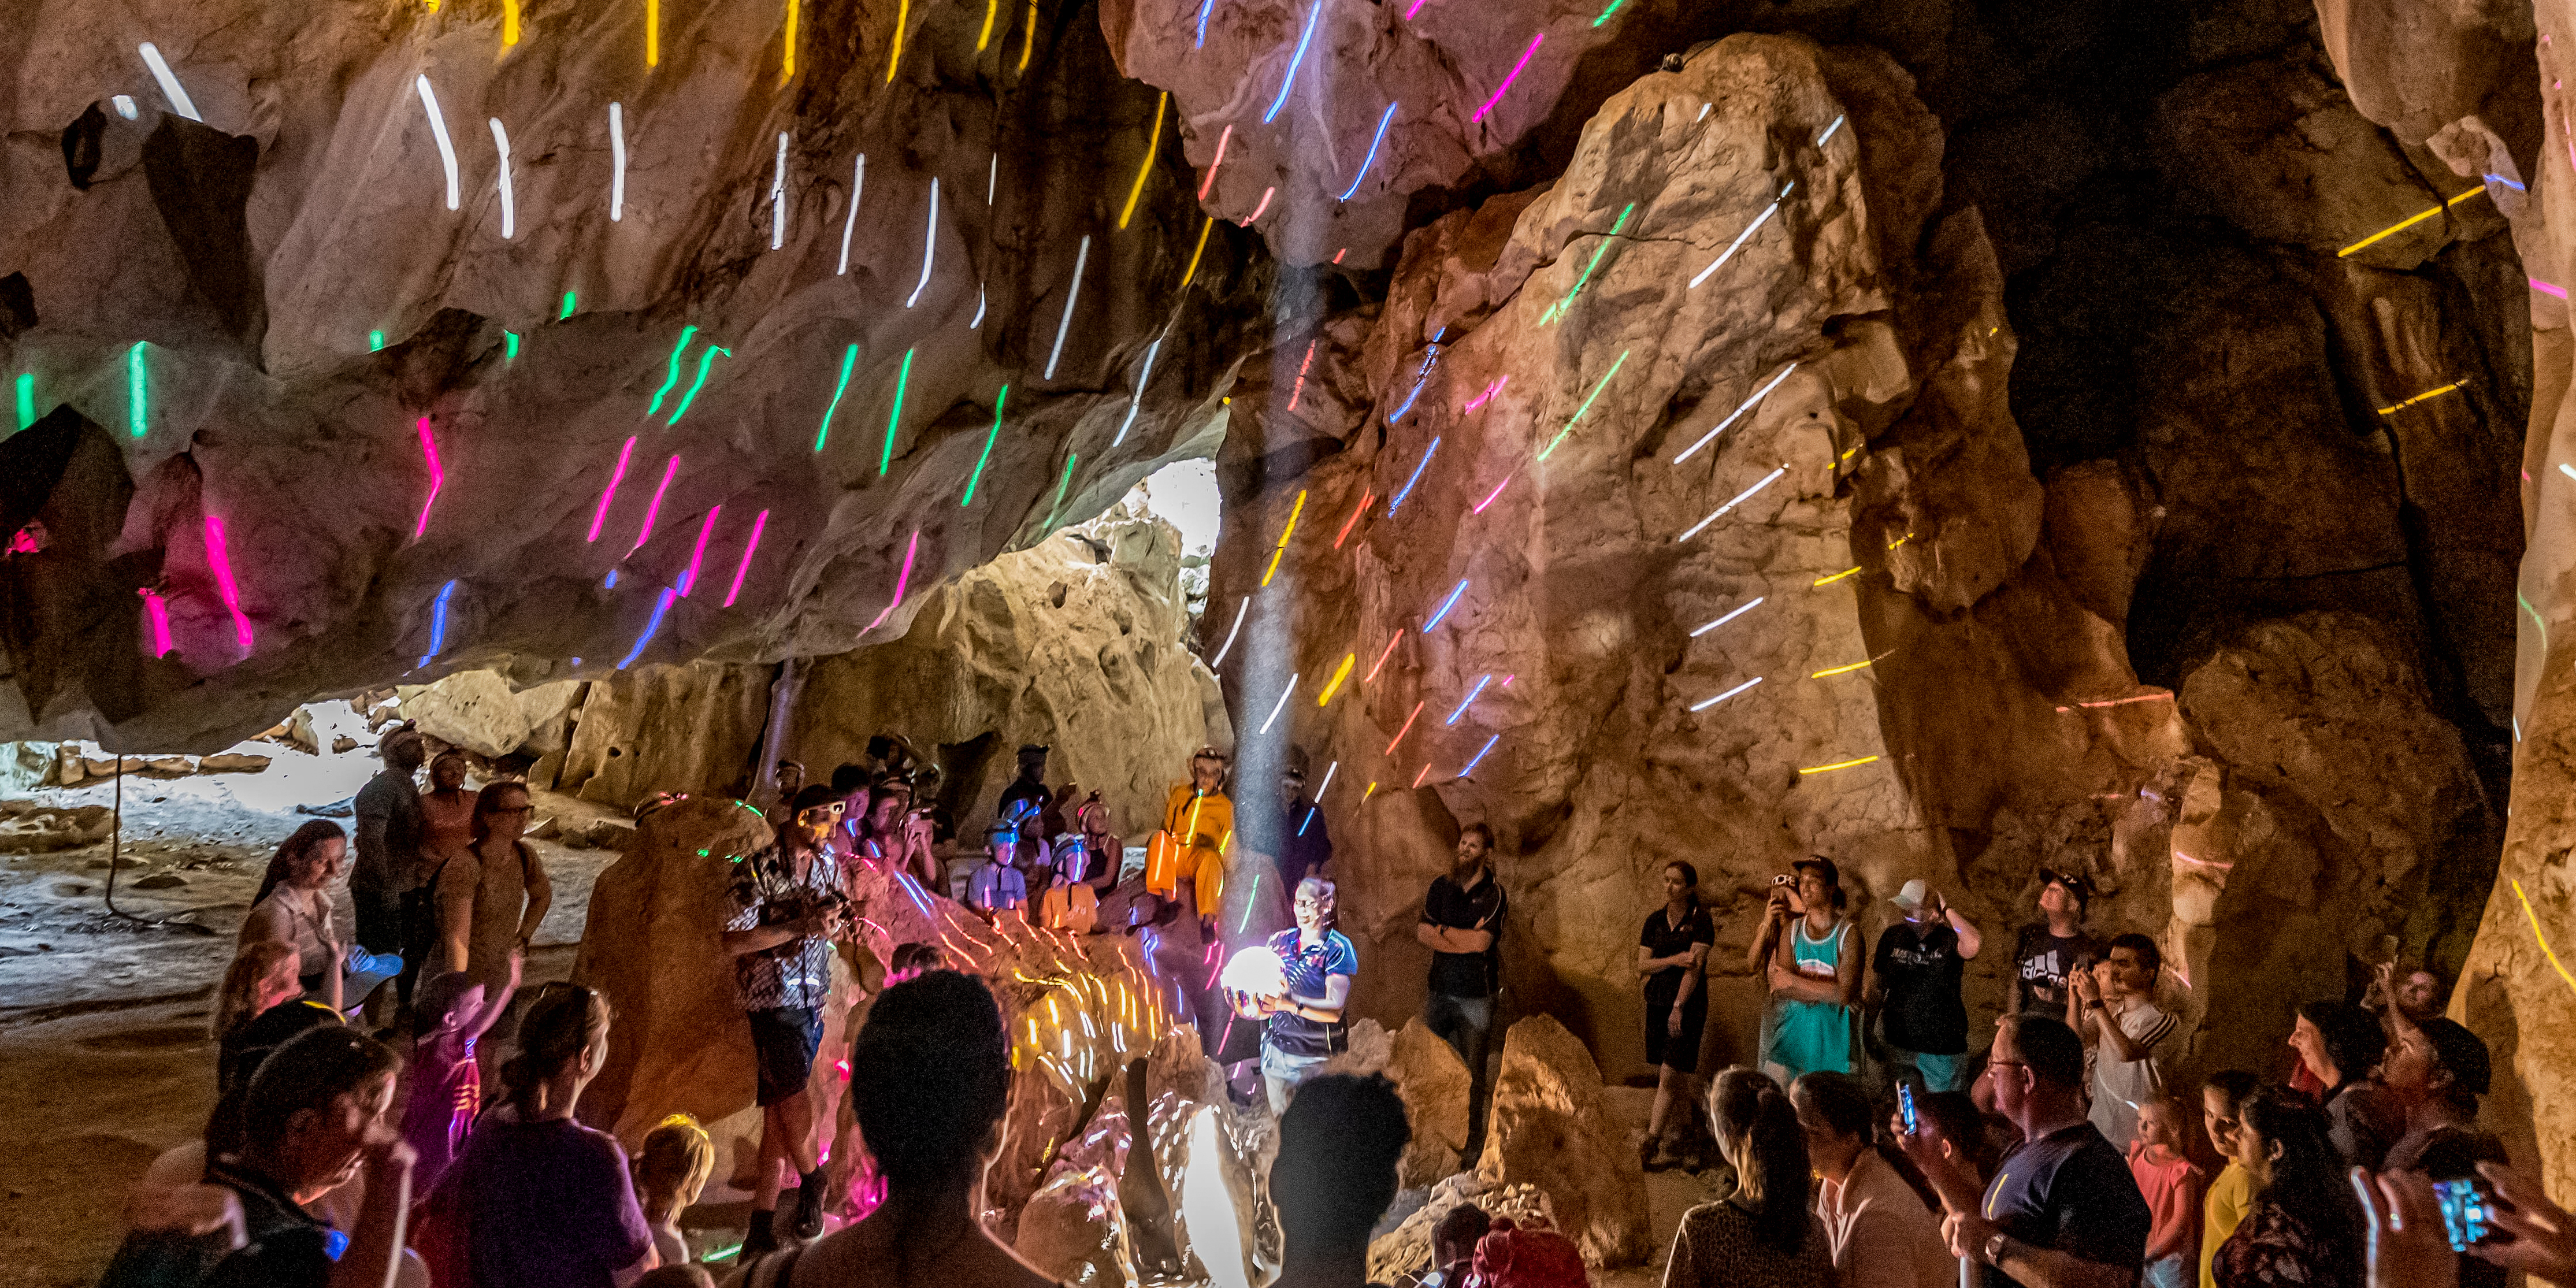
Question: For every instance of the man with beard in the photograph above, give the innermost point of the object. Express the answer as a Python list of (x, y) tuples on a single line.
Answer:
[(1462, 923)]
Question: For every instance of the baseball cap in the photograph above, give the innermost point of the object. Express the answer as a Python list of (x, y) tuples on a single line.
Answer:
[(1911, 897)]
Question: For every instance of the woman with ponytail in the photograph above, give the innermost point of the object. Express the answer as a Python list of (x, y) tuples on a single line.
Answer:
[(929, 1075), (1762, 1235), (538, 1200)]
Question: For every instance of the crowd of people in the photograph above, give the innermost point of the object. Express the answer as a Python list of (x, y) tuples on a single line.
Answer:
[(2061, 1156)]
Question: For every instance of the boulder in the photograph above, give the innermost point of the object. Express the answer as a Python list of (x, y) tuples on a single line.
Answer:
[(1405, 1251), (231, 763), (474, 710), (1545, 1129), (1434, 1084), (29, 828)]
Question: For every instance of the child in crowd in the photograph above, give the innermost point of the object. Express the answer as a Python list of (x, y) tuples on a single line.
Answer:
[(446, 1085), (2221, 1098), (912, 961), (2171, 1185), (670, 1172), (262, 975), (995, 888)]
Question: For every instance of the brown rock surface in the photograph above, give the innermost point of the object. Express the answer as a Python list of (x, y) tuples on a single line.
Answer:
[(1544, 1130), (1434, 1085)]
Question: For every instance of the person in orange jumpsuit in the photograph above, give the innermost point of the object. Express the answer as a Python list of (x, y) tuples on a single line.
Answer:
[(1198, 831)]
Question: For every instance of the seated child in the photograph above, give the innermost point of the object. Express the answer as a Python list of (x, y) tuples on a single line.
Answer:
[(670, 1172)]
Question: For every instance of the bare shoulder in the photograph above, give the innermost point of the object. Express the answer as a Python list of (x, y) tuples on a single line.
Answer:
[(863, 1256)]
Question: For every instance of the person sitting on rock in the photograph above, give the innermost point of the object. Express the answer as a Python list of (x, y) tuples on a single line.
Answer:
[(995, 888), (1102, 854), (930, 1075), (1335, 1175), (1198, 828), (293, 907), (787, 909)]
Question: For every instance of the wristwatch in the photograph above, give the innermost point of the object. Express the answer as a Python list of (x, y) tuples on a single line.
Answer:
[(1995, 1244)]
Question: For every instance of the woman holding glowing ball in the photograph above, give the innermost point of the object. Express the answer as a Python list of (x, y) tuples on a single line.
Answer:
[(1298, 982)]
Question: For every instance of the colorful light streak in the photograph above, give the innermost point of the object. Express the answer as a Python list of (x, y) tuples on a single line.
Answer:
[(1489, 497), (438, 623), (569, 301), (1408, 728), (653, 511), (1839, 764), (1285, 533), (1446, 605), (1060, 486), (698, 553), (742, 569), (1072, 296), (1507, 80), (2122, 702), (1340, 673), (902, 18), (778, 197), (652, 34), (1371, 159), (1418, 383), (509, 205), (156, 612), (1286, 82), (672, 380), (609, 493), (2429, 393), (136, 422), (1705, 703), (1571, 421), (849, 359), (1738, 611), (1738, 413), (437, 130), (26, 387), (2410, 221), (1556, 312), (901, 579), (125, 106), (1362, 508), (989, 436), (2537, 937), (437, 477), (1206, 7), (1490, 390), (1371, 677), (1153, 147), (894, 415), (1832, 577), (1281, 705), (1029, 37), (509, 23), (1844, 669), (1472, 695), (705, 360), (850, 221), (1237, 629), (1193, 270), (2547, 288), (1829, 131), (787, 44), (1138, 399), (1478, 759), (375, 341), (219, 559), (1740, 498), (992, 10), (1208, 184), (172, 90), (1264, 204), (1743, 237), (652, 627), (1396, 502), (929, 245), (1605, 14)]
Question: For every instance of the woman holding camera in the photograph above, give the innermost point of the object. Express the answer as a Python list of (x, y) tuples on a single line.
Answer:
[(1813, 972)]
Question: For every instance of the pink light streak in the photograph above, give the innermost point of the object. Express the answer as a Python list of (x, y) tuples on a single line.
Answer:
[(1426, 773), (698, 555), (1344, 534), (1507, 81), (1408, 728), (900, 580), (1337, 255), (1208, 184), (2546, 288), (437, 478), (1490, 391), (745, 566), (1266, 195), (654, 511), (1300, 390), (1371, 678), (2206, 863), (157, 611), (1489, 498), (219, 557), (1417, 8), (624, 455)]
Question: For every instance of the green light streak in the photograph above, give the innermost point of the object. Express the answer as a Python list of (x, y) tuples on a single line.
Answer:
[(885, 461), (2535, 620), (375, 341), (989, 435), (687, 333), (26, 399), (848, 360), (509, 346), (137, 421), (1605, 14), (1587, 405), (1556, 311), (570, 299), (705, 360), (1060, 485)]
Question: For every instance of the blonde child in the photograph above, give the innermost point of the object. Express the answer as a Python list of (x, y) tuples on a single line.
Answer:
[(670, 1172), (2171, 1184)]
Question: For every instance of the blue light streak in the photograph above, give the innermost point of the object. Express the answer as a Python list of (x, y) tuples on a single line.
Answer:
[(1446, 605), (1481, 682), (1480, 755), (1371, 159), (1407, 489), (1290, 80), (438, 623), (651, 628)]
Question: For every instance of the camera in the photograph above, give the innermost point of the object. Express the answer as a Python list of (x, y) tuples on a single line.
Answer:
[(1784, 880), (2467, 1212)]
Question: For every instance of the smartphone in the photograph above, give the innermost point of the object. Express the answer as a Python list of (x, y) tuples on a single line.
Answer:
[(1905, 1105), (2466, 1207)]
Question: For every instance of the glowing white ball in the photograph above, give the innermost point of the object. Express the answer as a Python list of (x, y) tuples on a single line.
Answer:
[(1257, 971)]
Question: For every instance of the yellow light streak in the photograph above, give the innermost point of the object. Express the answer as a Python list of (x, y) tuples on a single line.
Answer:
[(2429, 393), (2404, 224), (509, 23), (1839, 764), (1340, 674), (1830, 580), (2545, 949), (1029, 41), (991, 8), (902, 15), (1836, 670), (652, 34), (1204, 230), (787, 65), (1153, 144), (1290, 531)]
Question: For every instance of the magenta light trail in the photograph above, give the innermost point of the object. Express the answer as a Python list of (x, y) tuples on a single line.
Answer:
[(1740, 498), (1740, 238), (1480, 756), (929, 245), (1507, 80), (1371, 677), (858, 187), (654, 511), (157, 611), (1446, 605), (1408, 728), (1706, 703), (2546, 288), (1417, 8), (698, 553), (1313, 11), (652, 627), (744, 568), (1731, 615), (1208, 184), (1758, 396), (1266, 195), (1371, 159), (437, 478), (1299, 390), (1282, 705), (1472, 694), (1228, 646), (609, 493), (901, 579), (1490, 390), (1489, 497), (219, 558), (1072, 295)]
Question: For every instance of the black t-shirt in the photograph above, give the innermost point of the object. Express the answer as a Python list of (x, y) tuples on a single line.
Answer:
[(1661, 938), (1466, 974), (1919, 966), (2041, 961), (2070, 1191), (287, 1248)]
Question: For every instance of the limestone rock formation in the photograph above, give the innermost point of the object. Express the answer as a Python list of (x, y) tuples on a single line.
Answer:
[(1545, 1130), (1434, 1084)]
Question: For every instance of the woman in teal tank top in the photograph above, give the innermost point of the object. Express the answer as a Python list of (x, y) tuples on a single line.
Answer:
[(1816, 978)]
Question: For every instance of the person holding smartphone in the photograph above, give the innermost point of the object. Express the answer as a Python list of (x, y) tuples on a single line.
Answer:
[(1914, 988)]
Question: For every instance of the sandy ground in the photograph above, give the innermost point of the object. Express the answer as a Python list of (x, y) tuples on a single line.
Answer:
[(103, 1050)]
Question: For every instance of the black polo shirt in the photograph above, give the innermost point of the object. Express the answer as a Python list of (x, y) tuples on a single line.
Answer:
[(1466, 974)]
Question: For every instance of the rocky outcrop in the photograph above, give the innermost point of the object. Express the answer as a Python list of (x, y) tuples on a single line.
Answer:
[(1434, 1085), (1544, 1130)]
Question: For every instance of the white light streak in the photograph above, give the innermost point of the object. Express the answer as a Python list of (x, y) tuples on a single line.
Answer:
[(929, 243), (1228, 646), (1710, 702), (1284, 695), (1139, 398), (858, 186), (1071, 294), (1829, 131), (509, 207), (978, 320), (1758, 395), (178, 94), (1740, 238), (1739, 611), (1740, 498), (778, 197), (125, 106), (437, 127), (617, 162)]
